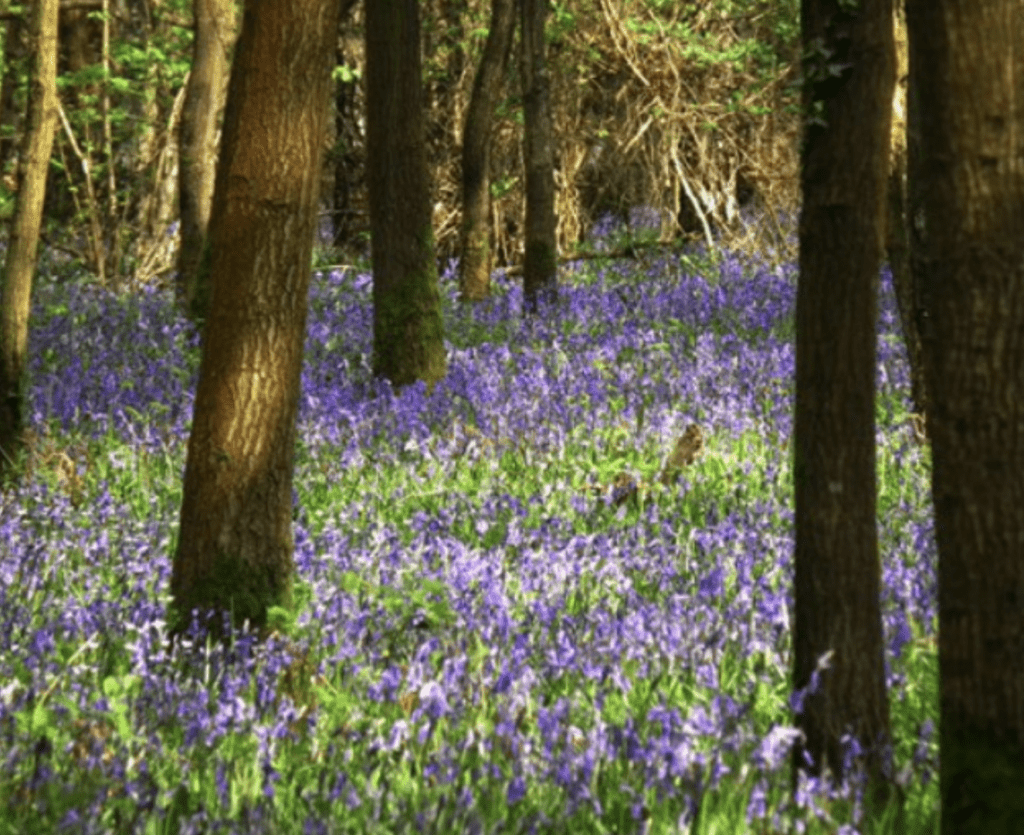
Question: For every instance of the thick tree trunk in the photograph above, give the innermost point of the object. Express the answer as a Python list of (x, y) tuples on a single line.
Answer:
[(197, 167), (541, 256), (235, 547), (407, 328), (475, 265), (845, 158), (968, 68), (40, 125)]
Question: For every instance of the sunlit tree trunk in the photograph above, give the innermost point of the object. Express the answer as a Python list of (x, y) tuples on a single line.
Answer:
[(967, 62), (205, 93), (235, 546), (15, 303), (897, 241), (541, 255), (475, 264), (849, 75), (408, 340)]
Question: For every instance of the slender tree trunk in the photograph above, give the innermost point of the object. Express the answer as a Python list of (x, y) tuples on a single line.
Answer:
[(897, 241), (197, 167), (475, 265), (407, 328), (347, 166), (40, 125), (917, 278), (845, 159), (156, 187), (235, 547), (79, 35), (541, 256), (967, 64)]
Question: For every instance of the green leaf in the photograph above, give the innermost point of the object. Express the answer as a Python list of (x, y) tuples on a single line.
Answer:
[(280, 619), (119, 686), (616, 712), (34, 720), (351, 582), (346, 74)]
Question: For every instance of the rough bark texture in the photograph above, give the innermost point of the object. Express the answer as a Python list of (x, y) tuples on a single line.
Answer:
[(41, 122), (967, 62), (541, 256), (844, 175), (235, 546), (205, 93), (897, 240), (475, 265), (407, 329)]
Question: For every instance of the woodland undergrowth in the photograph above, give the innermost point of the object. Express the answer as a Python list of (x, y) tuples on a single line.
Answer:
[(505, 621)]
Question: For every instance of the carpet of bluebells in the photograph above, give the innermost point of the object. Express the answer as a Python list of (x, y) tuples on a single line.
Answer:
[(486, 638)]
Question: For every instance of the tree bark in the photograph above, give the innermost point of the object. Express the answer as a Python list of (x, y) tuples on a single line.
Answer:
[(40, 125), (968, 69), (347, 157), (155, 183), (897, 241), (205, 93), (844, 167), (407, 328), (475, 265), (235, 546), (79, 36), (541, 250)]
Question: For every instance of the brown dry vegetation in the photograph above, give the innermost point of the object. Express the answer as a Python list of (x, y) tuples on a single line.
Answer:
[(690, 109)]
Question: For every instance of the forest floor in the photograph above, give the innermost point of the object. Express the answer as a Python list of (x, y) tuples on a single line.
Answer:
[(505, 622)]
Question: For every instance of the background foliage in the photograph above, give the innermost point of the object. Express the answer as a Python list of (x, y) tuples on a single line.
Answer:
[(689, 109)]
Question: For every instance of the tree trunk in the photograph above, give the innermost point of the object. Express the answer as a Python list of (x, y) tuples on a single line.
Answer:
[(407, 328), (897, 240), (845, 159), (197, 167), (475, 265), (80, 36), (540, 260), (40, 125), (235, 546), (156, 204), (347, 160), (968, 69)]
